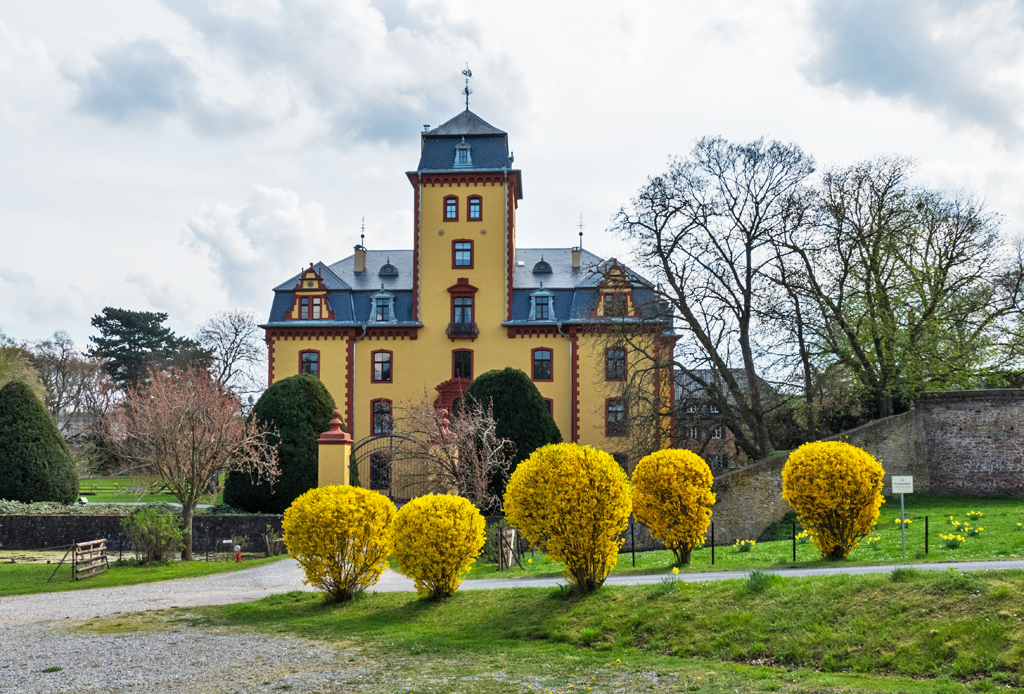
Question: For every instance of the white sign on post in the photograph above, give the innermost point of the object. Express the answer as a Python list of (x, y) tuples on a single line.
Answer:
[(902, 484)]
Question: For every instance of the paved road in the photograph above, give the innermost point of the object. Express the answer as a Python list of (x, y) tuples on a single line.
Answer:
[(284, 576)]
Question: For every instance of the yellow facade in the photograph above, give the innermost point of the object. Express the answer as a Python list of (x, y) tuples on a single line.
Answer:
[(522, 300)]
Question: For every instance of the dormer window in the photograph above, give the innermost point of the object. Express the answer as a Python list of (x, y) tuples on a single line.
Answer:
[(463, 155), (542, 305), (542, 267), (382, 307), (304, 308)]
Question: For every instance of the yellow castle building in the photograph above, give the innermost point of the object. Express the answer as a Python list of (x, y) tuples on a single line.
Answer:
[(382, 327)]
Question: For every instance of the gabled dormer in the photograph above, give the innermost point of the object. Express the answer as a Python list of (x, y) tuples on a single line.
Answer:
[(310, 301), (615, 294)]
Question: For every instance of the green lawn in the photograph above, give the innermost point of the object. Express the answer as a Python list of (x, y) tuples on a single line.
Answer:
[(109, 490), (23, 578), (1002, 538), (911, 632)]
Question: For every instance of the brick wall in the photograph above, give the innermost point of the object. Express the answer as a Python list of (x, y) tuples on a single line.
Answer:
[(975, 442)]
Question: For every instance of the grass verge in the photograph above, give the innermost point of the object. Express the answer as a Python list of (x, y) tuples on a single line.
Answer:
[(1002, 538), (21, 579), (934, 632)]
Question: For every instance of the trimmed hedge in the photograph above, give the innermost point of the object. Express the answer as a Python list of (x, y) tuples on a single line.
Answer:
[(299, 408), (35, 464)]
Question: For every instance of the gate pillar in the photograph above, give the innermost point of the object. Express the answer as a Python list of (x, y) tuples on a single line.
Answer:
[(335, 447)]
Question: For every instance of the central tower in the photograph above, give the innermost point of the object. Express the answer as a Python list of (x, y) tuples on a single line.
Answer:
[(465, 198)]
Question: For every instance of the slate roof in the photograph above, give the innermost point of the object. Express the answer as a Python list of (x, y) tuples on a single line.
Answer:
[(370, 280), (488, 145), (466, 123), (575, 291), (330, 278)]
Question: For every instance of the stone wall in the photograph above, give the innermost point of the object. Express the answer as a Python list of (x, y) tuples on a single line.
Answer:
[(975, 442), (898, 442), (30, 532)]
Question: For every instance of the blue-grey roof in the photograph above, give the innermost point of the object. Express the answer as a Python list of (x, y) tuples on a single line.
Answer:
[(370, 280), (330, 278), (487, 152), (466, 123), (562, 275)]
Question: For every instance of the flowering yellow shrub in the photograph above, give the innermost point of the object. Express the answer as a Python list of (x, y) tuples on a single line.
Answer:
[(836, 490), (672, 496), (573, 502), (341, 536), (437, 537)]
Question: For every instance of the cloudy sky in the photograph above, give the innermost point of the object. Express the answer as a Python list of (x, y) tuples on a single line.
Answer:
[(186, 155)]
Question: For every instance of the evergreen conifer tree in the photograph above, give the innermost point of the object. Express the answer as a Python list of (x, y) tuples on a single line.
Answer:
[(35, 464), (299, 408)]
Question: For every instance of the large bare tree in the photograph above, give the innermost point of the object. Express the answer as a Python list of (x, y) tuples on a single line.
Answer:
[(707, 231), (235, 342), (75, 382), (183, 428)]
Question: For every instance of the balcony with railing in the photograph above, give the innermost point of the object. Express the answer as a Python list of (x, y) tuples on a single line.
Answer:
[(463, 331)]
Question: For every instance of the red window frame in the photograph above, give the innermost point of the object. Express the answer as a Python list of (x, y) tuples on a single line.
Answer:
[(624, 424), (533, 365), (471, 364), (373, 365), (444, 208), (472, 306), (319, 364), (608, 361), (469, 208), (472, 254), (391, 409)]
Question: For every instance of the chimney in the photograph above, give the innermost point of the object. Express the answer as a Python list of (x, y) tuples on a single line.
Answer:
[(360, 259), (576, 258)]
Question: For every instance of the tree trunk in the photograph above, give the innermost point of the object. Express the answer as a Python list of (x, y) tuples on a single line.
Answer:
[(187, 512)]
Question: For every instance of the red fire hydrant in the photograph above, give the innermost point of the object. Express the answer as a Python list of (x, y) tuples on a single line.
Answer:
[(238, 554)]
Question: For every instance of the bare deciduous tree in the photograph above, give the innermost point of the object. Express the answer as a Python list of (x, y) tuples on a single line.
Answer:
[(74, 381), (183, 428), (235, 341), (452, 453), (707, 231)]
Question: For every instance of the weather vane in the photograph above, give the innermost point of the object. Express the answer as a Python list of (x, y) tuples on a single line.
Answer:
[(466, 90), (580, 226), (362, 234)]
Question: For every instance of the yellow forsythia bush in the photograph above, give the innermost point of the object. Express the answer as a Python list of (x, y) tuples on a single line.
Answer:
[(573, 502), (341, 536), (836, 491), (437, 537), (672, 496)]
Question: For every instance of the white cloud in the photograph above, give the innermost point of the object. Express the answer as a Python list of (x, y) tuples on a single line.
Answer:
[(254, 248), (30, 308)]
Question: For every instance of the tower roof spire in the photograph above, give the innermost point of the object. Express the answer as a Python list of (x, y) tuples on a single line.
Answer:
[(466, 90)]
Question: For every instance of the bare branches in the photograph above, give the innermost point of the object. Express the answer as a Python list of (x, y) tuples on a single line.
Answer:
[(458, 453), (184, 429), (235, 341)]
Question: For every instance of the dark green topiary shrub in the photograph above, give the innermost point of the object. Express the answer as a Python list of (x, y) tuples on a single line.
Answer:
[(519, 410), (34, 461), (299, 408)]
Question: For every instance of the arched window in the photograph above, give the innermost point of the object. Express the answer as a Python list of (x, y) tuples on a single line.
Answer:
[(476, 208), (462, 254), (615, 364), (615, 417), (451, 209), (380, 411), (309, 362), (541, 359), (382, 366), (462, 364)]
